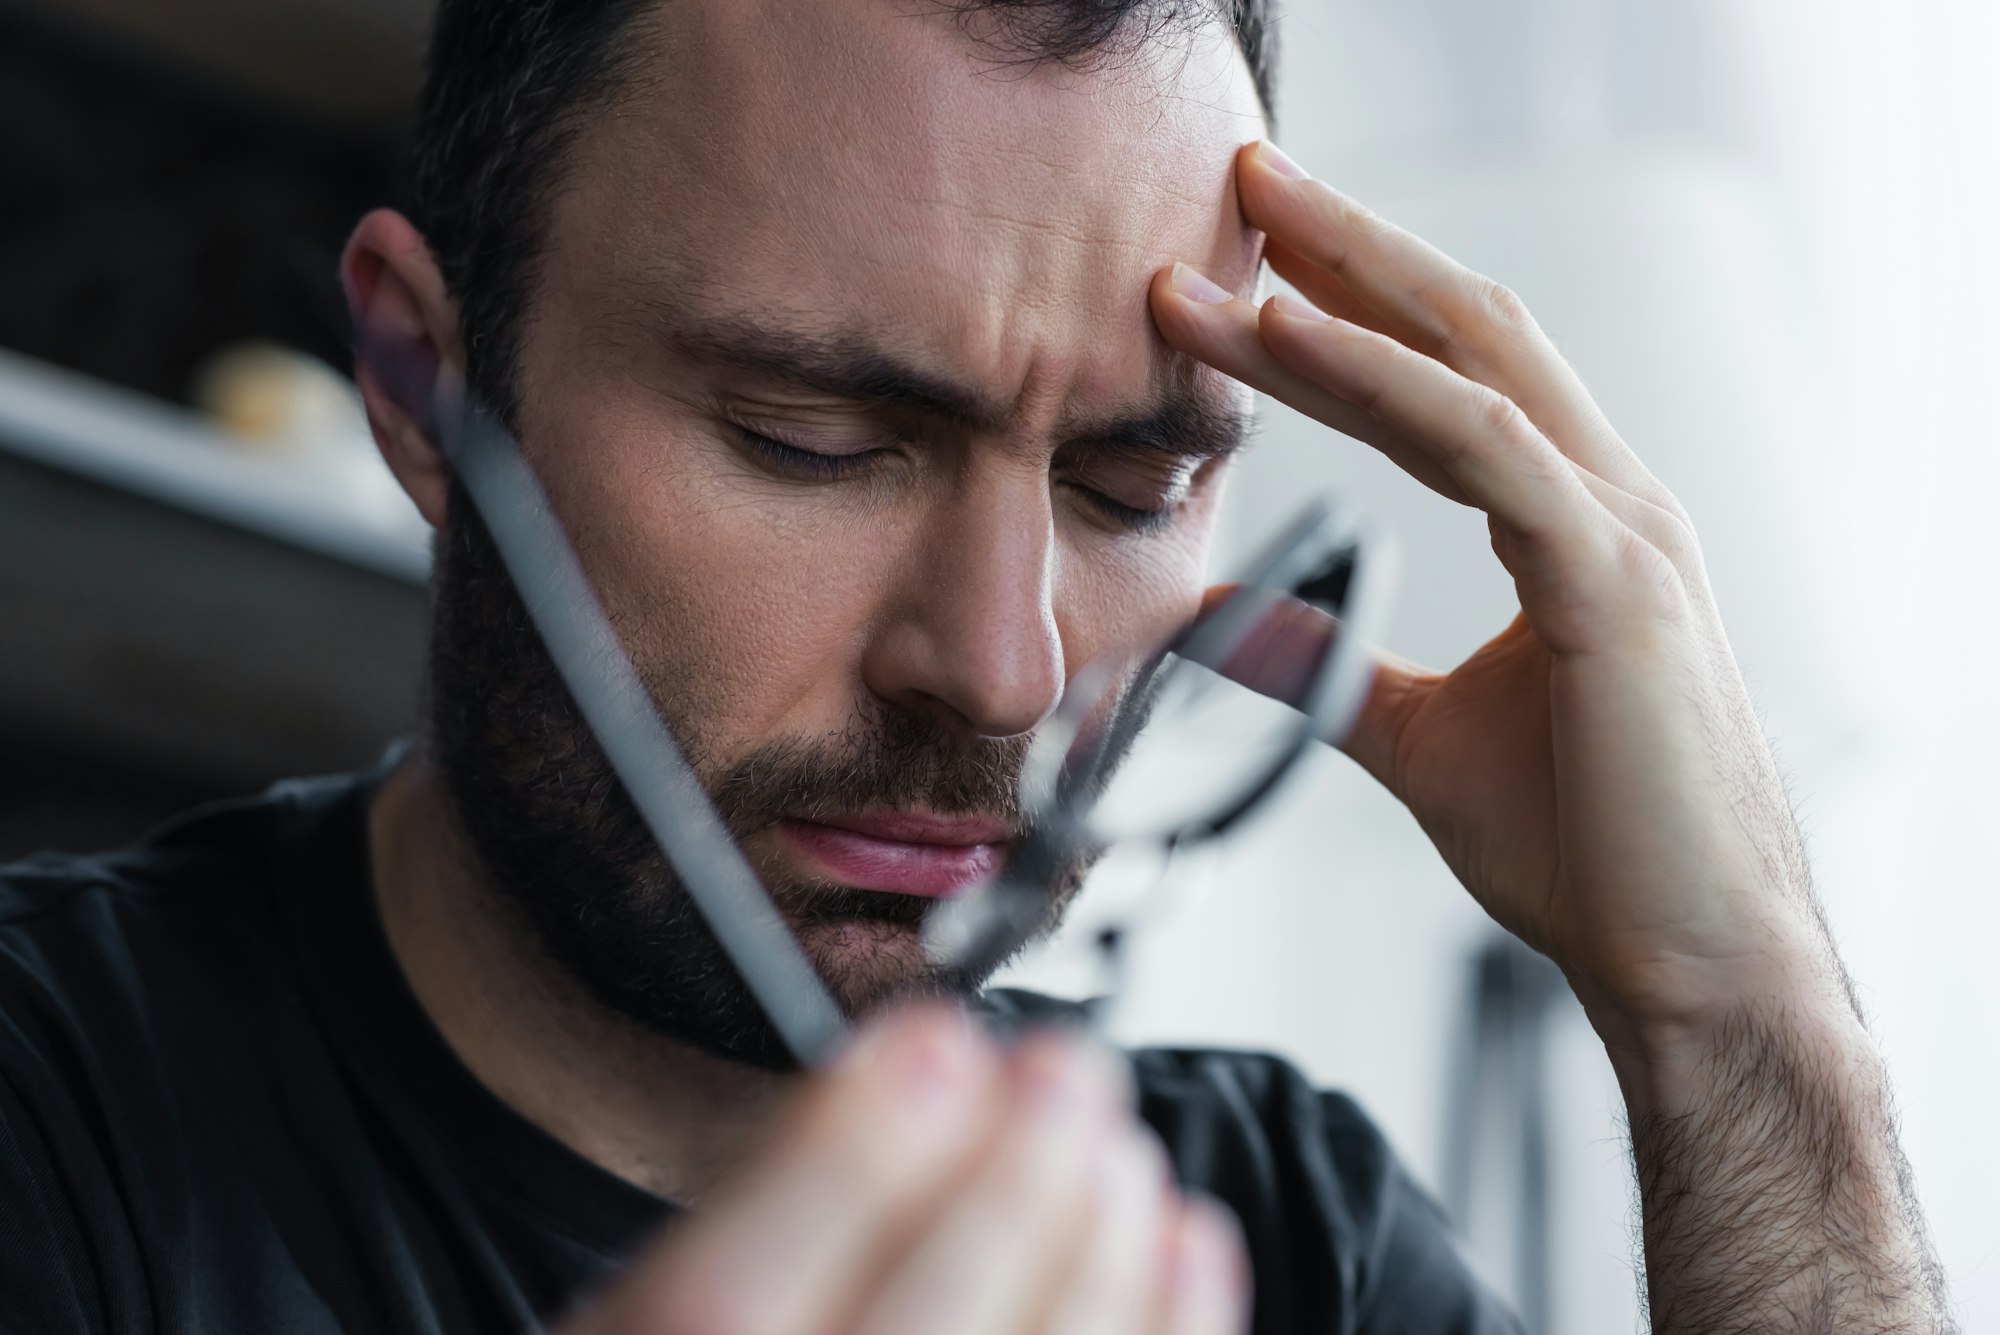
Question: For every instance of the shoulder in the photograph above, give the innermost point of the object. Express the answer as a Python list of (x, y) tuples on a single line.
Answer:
[(188, 854), (70, 923), (63, 912), (1233, 1109), (137, 989), (109, 943), (152, 1040), (97, 954), (205, 850), (49, 886)]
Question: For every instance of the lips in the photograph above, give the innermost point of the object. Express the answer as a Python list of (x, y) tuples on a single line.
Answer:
[(901, 852)]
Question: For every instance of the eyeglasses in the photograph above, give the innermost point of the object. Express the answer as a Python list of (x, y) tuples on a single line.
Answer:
[(1175, 754), (1183, 750)]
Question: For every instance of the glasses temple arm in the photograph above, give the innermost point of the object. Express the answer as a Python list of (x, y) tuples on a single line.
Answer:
[(643, 754)]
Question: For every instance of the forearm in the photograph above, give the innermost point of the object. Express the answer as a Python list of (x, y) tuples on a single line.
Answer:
[(1773, 1193)]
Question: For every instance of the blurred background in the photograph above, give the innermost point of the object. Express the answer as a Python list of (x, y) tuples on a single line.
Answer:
[(1762, 229)]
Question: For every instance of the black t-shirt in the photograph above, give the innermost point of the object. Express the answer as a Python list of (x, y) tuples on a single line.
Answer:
[(223, 1110)]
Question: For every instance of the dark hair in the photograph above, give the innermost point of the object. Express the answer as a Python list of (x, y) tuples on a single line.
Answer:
[(508, 83)]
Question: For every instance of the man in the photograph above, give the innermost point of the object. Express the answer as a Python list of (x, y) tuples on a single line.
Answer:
[(883, 362)]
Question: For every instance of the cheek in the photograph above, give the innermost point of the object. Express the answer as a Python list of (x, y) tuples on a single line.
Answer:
[(745, 618), (1123, 603)]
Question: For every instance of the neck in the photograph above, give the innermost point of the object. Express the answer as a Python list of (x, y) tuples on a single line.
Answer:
[(657, 1113)]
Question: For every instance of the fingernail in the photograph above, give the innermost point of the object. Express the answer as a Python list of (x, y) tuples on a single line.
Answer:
[(1197, 1264), (1050, 1073), (1208, 1253), (924, 1052), (1294, 309), (1195, 286), (1065, 1075), (1274, 157)]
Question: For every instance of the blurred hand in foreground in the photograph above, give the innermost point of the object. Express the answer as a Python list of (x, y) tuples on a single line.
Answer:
[(931, 1182)]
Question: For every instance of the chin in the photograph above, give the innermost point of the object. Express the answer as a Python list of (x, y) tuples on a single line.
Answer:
[(870, 964)]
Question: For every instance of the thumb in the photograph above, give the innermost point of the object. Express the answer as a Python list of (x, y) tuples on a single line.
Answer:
[(1280, 654), (1397, 688)]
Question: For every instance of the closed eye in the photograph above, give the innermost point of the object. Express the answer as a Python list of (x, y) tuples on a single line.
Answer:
[(792, 459), (1140, 490), (1138, 497), (1137, 518)]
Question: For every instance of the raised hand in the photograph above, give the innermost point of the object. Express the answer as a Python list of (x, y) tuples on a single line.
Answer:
[(1594, 774)]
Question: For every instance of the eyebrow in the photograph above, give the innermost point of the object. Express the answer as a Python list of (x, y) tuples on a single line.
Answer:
[(1183, 423)]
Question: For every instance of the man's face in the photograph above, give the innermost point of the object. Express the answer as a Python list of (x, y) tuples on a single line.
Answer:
[(841, 378)]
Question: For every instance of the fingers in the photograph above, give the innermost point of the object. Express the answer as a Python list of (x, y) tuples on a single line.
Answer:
[(983, 1265), (1416, 291), (1354, 264), (1396, 688), (1125, 1258), (1323, 289), (931, 1182), (1285, 652), (1208, 1289), (1225, 334), (798, 1235), (1477, 436), (1442, 372)]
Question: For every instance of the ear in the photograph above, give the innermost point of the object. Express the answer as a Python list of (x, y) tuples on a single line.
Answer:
[(406, 326)]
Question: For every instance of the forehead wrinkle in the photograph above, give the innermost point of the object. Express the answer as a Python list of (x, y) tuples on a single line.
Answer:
[(1052, 229), (1193, 412), (1002, 231), (1181, 418), (845, 362)]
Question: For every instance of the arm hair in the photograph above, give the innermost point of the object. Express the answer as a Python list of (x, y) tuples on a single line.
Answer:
[(1778, 1201)]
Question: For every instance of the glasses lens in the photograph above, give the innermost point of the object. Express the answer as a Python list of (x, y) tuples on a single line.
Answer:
[(1157, 760), (1180, 748)]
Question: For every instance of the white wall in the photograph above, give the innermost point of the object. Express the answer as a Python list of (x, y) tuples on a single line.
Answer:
[(1761, 230)]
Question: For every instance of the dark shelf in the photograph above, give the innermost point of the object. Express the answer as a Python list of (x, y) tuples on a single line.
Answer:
[(179, 619)]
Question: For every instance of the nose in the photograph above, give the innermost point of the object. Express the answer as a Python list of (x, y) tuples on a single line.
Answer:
[(972, 637)]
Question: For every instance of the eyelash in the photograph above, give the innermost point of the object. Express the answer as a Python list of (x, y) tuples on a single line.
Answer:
[(833, 467), (1133, 517), (830, 467)]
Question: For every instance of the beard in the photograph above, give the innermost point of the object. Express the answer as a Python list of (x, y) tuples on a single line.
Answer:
[(566, 857)]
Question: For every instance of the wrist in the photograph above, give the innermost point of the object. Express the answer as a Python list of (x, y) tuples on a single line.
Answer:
[(1671, 1061), (1676, 985)]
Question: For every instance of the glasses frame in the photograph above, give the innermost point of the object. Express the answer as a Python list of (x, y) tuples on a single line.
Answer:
[(1321, 559), (620, 713)]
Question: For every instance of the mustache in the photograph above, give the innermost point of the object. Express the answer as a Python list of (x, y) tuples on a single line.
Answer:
[(883, 758)]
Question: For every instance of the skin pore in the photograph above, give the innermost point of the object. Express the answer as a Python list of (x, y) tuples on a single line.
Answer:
[(840, 374)]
